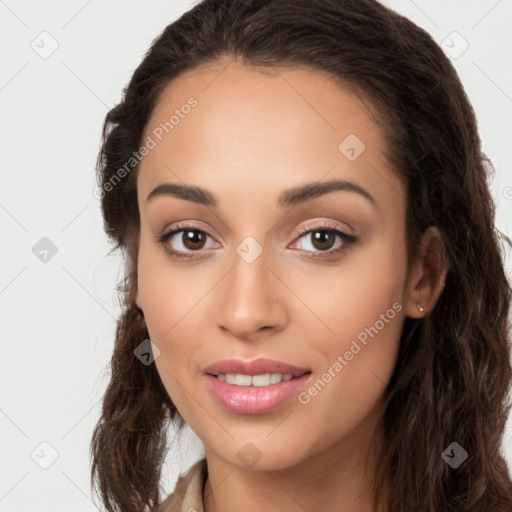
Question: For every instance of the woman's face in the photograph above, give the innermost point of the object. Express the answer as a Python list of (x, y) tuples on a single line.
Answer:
[(294, 250)]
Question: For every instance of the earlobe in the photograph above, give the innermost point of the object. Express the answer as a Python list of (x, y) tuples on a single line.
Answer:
[(138, 305), (428, 275)]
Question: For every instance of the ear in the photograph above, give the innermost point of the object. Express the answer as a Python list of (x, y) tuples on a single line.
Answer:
[(137, 300), (427, 275)]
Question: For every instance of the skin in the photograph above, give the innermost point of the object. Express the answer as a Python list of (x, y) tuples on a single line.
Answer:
[(253, 135)]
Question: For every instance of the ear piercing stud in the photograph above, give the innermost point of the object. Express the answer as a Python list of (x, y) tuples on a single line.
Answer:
[(420, 308)]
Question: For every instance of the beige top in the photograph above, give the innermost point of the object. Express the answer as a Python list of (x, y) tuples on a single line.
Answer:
[(188, 492)]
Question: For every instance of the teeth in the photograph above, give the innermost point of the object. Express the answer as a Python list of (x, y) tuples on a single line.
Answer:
[(243, 380), (254, 380)]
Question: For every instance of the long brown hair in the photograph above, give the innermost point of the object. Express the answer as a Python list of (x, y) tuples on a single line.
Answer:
[(453, 371)]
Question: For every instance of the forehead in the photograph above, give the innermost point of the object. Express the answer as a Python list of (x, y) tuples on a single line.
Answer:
[(262, 126)]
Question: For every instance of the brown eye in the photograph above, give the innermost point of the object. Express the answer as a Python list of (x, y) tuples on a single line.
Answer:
[(185, 242), (322, 239), (193, 239)]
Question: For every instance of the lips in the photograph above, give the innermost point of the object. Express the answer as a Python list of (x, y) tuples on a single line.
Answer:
[(233, 383), (254, 367)]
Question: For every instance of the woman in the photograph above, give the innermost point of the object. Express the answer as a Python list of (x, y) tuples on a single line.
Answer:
[(301, 196)]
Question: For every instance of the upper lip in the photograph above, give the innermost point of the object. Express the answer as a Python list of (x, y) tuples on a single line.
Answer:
[(254, 367)]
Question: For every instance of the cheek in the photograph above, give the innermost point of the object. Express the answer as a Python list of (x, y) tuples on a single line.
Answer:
[(168, 303), (348, 298), (360, 307), (165, 291), (174, 299)]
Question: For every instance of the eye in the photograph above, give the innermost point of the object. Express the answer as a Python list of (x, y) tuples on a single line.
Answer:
[(322, 238), (182, 242)]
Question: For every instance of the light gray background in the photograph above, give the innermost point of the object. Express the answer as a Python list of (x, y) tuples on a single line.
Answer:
[(58, 317)]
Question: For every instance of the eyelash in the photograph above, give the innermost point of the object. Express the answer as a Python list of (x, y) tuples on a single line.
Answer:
[(348, 240)]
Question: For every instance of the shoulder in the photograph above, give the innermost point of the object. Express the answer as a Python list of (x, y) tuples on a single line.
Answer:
[(188, 492)]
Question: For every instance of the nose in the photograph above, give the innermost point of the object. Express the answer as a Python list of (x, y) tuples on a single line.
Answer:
[(251, 298)]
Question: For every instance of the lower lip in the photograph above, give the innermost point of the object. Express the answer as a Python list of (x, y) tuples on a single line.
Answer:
[(254, 399)]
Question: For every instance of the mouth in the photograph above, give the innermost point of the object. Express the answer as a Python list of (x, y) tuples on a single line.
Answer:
[(254, 387)]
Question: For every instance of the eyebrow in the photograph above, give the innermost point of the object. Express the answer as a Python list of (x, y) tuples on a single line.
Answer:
[(289, 197)]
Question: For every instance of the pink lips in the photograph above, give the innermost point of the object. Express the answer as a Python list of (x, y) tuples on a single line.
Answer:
[(254, 399), (255, 367)]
